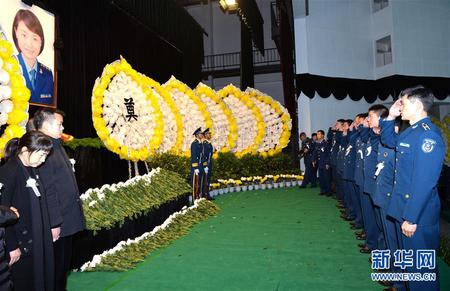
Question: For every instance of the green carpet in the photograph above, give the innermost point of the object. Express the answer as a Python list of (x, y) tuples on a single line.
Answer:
[(287, 239)]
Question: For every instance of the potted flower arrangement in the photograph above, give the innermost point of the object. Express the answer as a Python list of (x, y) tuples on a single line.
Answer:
[(257, 182), (214, 189), (263, 182), (270, 180), (244, 183), (276, 184), (238, 184)]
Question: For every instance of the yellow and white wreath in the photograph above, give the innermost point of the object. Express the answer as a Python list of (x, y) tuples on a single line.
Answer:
[(126, 114), (250, 121), (278, 122), (224, 130), (194, 112), (173, 123), (14, 96)]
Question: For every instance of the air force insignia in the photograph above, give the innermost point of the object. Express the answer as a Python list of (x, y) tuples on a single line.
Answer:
[(428, 145)]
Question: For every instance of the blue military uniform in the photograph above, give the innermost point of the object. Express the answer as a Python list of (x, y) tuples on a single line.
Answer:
[(349, 177), (332, 140), (321, 156), (196, 164), (382, 198), (373, 227), (42, 87), (208, 151), (342, 142), (419, 152), (310, 170)]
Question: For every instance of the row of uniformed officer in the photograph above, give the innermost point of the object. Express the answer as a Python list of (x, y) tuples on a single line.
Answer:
[(386, 181)]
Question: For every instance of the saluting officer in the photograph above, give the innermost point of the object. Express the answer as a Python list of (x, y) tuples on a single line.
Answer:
[(349, 213), (196, 163), (419, 152), (382, 198), (349, 172), (373, 226)]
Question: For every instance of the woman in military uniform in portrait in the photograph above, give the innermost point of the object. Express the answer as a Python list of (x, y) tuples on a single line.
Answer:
[(29, 242), (29, 39)]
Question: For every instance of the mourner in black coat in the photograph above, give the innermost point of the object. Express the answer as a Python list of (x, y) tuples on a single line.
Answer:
[(29, 241), (7, 216), (65, 207)]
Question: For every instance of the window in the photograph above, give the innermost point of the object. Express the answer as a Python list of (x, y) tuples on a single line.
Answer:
[(383, 51), (379, 4)]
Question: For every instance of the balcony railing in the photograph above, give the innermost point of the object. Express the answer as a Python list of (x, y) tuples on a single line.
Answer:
[(233, 60)]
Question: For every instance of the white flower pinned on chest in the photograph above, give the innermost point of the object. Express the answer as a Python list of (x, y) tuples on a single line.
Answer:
[(32, 183), (72, 161)]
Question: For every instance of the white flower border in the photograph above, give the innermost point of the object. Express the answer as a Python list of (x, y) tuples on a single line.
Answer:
[(94, 195), (97, 259)]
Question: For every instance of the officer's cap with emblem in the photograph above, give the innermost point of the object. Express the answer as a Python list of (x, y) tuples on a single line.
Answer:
[(206, 131), (197, 131)]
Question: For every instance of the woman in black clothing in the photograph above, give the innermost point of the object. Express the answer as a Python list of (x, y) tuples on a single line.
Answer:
[(29, 241), (7, 216)]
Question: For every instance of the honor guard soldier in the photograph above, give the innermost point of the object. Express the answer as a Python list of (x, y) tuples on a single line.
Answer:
[(196, 163), (208, 151), (415, 204)]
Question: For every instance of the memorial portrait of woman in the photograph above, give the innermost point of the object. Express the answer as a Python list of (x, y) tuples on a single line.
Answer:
[(28, 36)]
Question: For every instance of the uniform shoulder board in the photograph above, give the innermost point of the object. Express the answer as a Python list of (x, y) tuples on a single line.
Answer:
[(44, 67), (425, 126)]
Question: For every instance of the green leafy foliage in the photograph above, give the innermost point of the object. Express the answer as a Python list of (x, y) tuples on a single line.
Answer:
[(132, 200), (130, 255)]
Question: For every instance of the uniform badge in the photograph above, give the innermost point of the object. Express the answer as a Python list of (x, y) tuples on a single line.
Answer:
[(428, 145), (385, 154)]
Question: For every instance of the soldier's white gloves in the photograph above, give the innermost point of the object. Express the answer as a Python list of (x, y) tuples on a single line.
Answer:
[(196, 171), (206, 170)]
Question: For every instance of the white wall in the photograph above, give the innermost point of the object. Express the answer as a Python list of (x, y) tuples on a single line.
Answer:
[(382, 26), (338, 39), (422, 38)]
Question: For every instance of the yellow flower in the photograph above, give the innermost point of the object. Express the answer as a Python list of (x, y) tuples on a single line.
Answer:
[(20, 95), (99, 122)]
